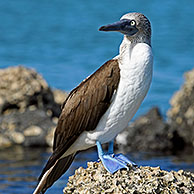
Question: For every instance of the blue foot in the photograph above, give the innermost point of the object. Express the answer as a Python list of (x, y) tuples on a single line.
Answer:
[(112, 162)]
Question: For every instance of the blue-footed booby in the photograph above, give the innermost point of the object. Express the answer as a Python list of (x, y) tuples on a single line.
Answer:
[(102, 105)]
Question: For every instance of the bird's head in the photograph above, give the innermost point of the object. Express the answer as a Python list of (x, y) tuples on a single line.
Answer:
[(133, 25)]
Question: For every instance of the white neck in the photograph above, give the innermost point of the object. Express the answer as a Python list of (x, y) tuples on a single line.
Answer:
[(127, 47), (135, 59)]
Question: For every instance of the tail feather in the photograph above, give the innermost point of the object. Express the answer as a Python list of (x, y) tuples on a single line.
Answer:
[(53, 174)]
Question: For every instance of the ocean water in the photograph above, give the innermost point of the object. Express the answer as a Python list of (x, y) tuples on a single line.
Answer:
[(20, 167), (60, 39)]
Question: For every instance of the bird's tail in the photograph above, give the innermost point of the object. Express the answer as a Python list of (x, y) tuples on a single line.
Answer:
[(54, 173)]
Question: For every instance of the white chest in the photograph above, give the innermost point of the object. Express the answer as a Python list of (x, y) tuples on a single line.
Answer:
[(135, 79), (136, 75)]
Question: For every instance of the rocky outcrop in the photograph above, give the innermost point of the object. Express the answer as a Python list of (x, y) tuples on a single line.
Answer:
[(28, 108), (21, 88), (181, 114), (30, 128), (150, 180), (148, 133)]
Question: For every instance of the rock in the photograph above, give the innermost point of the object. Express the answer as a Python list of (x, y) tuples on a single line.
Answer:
[(59, 96), (29, 128), (21, 88), (33, 130), (4, 142), (181, 114), (148, 133), (95, 179), (28, 108)]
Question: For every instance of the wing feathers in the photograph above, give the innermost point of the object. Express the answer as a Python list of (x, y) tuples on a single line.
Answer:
[(83, 108), (89, 100), (54, 173)]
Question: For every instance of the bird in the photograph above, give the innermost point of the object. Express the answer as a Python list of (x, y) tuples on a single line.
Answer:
[(102, 105)]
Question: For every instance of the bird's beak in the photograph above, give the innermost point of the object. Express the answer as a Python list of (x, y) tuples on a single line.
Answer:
[(116, 26), (122, 26)]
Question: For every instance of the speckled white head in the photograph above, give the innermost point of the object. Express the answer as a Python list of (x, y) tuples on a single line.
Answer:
[(135, 26), (141, 22)]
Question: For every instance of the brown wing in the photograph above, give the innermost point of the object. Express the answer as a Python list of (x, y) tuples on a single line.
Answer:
[(84, 107), (86, 104)]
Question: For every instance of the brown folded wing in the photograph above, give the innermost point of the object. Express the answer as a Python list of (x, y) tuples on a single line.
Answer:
[(84, 107)]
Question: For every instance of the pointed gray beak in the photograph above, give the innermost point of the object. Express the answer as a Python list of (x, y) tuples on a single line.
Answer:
[(116, 26), (123, 26)]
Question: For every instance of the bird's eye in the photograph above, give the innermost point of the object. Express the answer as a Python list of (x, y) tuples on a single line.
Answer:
[(132, 23)]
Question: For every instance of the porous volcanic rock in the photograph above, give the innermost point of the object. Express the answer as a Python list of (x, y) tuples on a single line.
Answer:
[(181, 114), (151, 180)]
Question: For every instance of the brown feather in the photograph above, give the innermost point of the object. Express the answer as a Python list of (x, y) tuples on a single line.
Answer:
[(83, 108), (54, 173)]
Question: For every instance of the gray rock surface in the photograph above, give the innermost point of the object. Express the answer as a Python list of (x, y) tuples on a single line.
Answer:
[(150, 180), (181, 113), (28, 108), (30, 128)]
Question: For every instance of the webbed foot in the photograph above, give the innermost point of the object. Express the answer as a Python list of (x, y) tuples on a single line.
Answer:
[(113, 162)]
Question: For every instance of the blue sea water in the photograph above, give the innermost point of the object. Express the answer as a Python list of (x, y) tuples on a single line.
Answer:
[(60, 39)]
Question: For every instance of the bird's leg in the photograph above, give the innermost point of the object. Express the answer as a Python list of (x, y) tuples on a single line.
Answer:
[(120, 156), (110, 163), (113, 162), (111, 147)]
